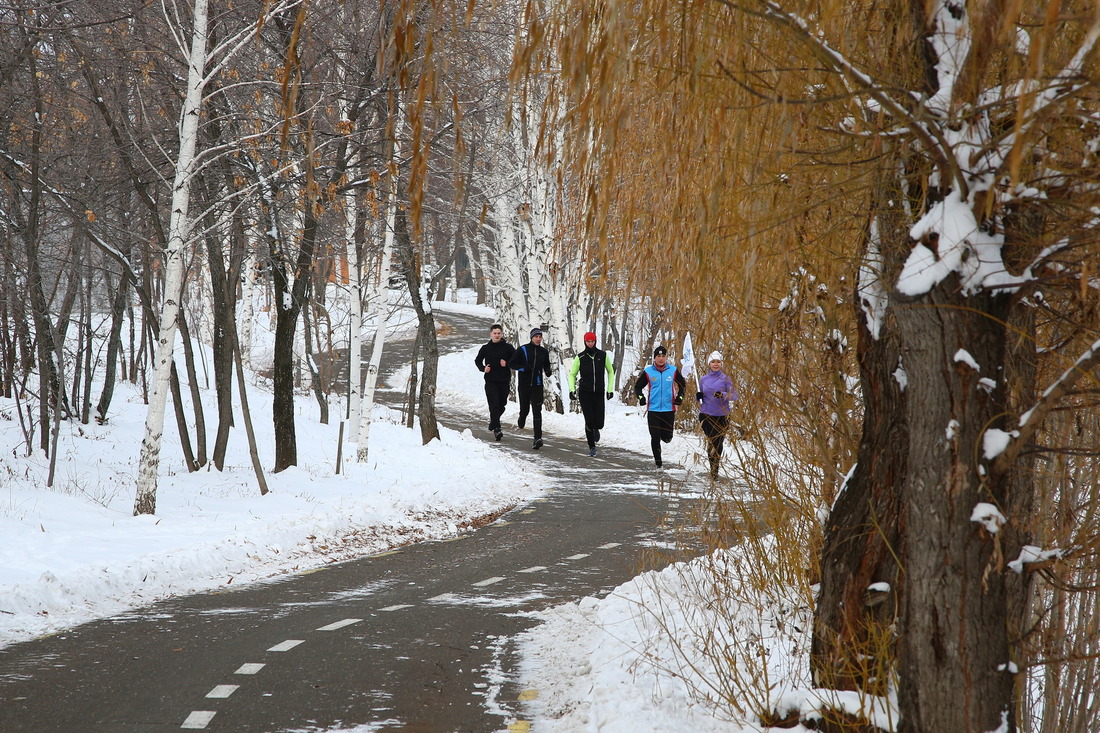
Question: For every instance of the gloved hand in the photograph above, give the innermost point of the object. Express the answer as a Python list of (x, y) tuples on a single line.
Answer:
[(572, 396), (641, 399), (679, 400), (698, 396), (610, 395)]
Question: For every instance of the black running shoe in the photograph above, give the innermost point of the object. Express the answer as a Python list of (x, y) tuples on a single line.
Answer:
[(499, 434), (596, 437), (538, 444)]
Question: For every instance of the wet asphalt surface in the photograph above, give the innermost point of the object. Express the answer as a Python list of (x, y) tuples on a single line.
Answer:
[(421, 638)]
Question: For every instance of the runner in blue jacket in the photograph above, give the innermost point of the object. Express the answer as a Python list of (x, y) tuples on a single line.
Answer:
[(666, 392)]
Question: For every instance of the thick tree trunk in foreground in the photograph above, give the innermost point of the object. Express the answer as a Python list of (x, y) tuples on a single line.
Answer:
[(854, 646), (856, 606), (953, 648)]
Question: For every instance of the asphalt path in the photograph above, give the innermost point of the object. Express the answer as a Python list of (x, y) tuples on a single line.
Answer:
[(421, 638)]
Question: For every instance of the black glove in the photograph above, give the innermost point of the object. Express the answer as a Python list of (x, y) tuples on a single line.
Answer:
[(573, 396), (610, 395), (641, 399), (679, 400), (699, 396)]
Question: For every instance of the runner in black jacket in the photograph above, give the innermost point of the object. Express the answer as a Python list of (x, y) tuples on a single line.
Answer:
[(493, 359), (532, 364)]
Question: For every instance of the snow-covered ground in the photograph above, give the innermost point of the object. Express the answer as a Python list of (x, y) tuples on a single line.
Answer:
[(74, 552)]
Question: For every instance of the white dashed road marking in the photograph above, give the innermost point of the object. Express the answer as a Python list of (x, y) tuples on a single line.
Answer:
[(488, 581), (533, 569), (578, 557), (198, 719), (608, 546), (250, 668), (398, 607), (223, 691), (443, 597), (340, 624), (287, 645)]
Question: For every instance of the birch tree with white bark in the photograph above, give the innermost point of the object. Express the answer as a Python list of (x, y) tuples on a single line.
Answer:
[(179, 232), (202, 64), (381, 305), (535, 272)]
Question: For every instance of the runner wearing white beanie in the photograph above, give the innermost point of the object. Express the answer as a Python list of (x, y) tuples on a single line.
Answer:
[(716, 391)]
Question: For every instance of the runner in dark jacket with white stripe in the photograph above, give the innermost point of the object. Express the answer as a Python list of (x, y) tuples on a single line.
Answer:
[(532, 364)]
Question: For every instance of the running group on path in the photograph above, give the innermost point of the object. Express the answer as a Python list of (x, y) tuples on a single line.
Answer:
[(591, 384)]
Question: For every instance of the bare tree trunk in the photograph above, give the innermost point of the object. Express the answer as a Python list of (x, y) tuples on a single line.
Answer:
[(55, 430), (477, 267), (196, 395), (355, 255), (620, 350), (425, 331), (8, 325), (246, 414), (953, 645), (44, 336), (858, 600), (179, 230), (114, 346), (414, 371), (181, 422), (381, 317), (86, 397), (311, 364), (83, 326), (223, 291)]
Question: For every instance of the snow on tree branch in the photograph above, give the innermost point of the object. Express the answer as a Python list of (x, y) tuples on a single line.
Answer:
[(1032, 555), (988, 516), (1033, 418)]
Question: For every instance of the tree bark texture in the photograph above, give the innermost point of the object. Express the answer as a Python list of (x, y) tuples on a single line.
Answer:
[(953, 651), (852, 647)]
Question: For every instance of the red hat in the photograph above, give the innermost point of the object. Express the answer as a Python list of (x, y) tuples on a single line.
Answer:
[(590, 336)]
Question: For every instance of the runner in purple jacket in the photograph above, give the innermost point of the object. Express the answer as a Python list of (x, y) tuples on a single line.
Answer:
[(716, 392)]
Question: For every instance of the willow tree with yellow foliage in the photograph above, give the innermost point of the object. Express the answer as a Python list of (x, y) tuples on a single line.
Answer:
[(934, 166)]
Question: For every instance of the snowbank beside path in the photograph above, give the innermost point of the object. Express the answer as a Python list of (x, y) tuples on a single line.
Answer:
[(74, 552)]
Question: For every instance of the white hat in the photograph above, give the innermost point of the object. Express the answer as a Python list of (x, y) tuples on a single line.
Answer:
[(714, 356)]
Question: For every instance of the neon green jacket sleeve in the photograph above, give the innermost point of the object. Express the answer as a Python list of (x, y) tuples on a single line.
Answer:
[(574, 370), (609, 365)]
